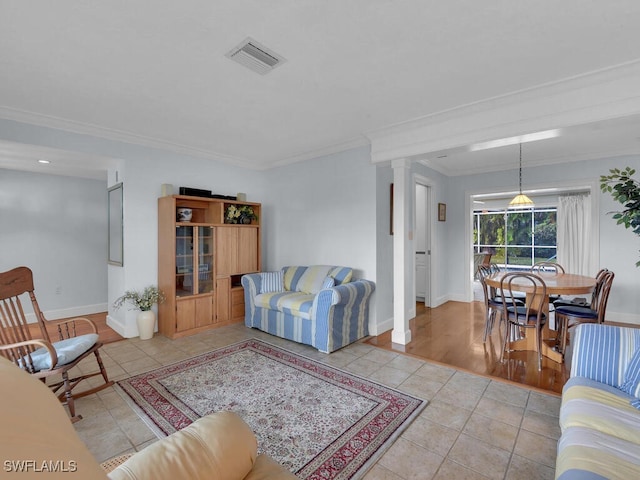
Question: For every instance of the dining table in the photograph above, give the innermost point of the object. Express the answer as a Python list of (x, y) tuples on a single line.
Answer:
[(557, 284)]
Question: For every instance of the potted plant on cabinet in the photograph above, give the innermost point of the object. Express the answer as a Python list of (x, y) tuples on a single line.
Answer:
[(626, 191), (142, 301), (242, 214)]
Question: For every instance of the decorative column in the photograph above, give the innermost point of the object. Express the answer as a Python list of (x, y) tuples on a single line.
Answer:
[(402, 236)]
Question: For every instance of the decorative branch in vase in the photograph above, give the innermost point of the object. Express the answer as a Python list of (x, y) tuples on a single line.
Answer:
[(142, 301)]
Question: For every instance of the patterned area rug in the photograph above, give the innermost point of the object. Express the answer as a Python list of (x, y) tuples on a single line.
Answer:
[(319, 421)]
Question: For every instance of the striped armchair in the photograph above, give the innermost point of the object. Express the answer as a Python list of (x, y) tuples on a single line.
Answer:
[(318, 305), (600, 412)]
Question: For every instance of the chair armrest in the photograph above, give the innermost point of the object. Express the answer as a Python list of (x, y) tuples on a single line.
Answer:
[(67, 328), (252, 282), (345, 293), (19, 354), (603, 352)]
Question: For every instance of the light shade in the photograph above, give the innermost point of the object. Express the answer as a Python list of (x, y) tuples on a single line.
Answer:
[(521, 201)]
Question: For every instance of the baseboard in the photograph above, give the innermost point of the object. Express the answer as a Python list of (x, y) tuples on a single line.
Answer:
[(124, 330), (69, 312), (380, 328), (630, 318)]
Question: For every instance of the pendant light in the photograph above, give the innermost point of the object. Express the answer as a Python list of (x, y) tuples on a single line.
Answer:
[(521, 200)]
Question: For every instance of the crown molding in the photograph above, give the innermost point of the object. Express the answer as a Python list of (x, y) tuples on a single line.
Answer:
[(319, 152), (601, 95), (72, 126)]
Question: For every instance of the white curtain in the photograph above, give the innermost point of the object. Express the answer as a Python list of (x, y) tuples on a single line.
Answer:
[(574, 233)]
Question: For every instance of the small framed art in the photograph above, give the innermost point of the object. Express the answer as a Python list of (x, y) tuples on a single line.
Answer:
[(442, 212)]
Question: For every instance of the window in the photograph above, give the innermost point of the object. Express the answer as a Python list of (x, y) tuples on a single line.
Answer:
[(516, 238)]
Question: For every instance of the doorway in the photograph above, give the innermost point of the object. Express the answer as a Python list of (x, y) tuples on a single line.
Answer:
[(422, 240)]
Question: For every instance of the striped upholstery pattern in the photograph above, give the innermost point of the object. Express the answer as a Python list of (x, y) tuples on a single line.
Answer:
[(327, 320), (313, 277), (271, 282), (295, 303), (603, 352), (600, 426)]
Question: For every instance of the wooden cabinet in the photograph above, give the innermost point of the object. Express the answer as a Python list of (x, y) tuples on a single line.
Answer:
[(237, 250), (200, 263)]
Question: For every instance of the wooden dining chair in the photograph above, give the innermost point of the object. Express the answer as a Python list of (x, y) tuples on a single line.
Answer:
[(568, 316), (529, 316), (547, 267), (36, 352), (492, 300)]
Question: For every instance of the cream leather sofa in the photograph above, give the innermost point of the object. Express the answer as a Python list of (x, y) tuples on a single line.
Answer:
[(38, 441)]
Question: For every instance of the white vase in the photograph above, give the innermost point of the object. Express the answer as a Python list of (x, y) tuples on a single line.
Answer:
[(146, 324)]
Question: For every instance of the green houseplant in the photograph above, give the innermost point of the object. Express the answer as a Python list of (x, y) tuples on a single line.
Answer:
[(142, 301), (625, 190), (240, 214)]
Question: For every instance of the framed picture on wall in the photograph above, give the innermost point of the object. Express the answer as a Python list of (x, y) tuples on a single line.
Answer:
[(442, 212)]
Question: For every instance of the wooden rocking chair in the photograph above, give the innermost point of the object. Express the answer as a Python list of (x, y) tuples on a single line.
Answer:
[(37, 354)]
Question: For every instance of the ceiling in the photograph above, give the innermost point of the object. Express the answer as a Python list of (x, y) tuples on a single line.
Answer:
[(155, 73)]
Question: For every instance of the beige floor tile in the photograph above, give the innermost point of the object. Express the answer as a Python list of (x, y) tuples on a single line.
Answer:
[(389, 376), (480, 457), (507, 393), (537, 447), (362, 367), (379, 472), (452, 471), (340, 359), (547, 404), (380, 356), (502, 411), (453, 395), (521, 467), (432, 436), (410, 461), (446, 414), (436, 373), (406, 364), (542, 424), (493, 432), (420, 387), (141, 365), (359, 349), (466, 382)]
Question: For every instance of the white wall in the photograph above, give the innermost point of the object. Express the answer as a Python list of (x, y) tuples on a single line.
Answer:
[(57, 226), (323, 211)]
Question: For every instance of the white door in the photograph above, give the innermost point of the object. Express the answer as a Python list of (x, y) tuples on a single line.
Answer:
[(422, 246)]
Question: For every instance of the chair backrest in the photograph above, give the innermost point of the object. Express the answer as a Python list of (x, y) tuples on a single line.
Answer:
[(483, 272), (596, 290), (14, 327), (536, 290), (547, 267), (601, 293)]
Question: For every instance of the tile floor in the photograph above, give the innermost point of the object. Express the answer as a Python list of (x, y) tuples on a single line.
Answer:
[(473, 427)]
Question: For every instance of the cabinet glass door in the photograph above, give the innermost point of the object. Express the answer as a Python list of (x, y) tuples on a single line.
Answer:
[(184, 261), (205, 259)]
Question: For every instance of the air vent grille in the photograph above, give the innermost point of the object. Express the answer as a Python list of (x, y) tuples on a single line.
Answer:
[(255, 56)]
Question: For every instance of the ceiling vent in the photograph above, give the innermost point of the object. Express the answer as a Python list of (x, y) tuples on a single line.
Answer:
[(255, 56)]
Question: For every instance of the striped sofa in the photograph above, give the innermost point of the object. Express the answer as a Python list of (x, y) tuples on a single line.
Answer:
[(318, 305), (600, 412)]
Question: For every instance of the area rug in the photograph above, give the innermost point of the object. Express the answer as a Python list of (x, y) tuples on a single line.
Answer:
[(318, 421)]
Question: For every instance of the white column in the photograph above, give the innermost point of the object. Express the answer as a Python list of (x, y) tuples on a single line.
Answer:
[(401, 249)]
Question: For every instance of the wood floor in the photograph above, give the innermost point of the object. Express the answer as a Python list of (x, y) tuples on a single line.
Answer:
[(452, 334)]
